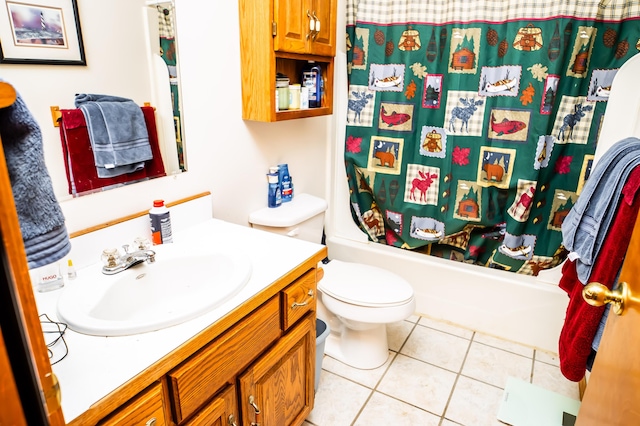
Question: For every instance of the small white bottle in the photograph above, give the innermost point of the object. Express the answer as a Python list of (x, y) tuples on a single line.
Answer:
[(71, 270), (160, 223)]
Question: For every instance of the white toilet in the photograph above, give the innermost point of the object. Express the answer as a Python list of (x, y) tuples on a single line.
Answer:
[(356, 300)]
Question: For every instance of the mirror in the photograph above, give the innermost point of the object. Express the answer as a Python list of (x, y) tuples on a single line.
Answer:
[(163, 50), (124, 47)]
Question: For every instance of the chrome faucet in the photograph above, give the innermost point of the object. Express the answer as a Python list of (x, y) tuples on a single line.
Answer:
[(114, 262)]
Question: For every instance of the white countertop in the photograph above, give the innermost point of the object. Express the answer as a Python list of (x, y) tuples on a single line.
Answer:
[(95, 366)]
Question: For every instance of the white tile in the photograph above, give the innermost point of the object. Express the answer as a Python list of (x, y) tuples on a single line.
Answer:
[(506, 345), (446, 327), (550, 378), (547, 357), (384, 410), (368, 378), (474, 403), (437, 348), (418, 383), (493, 366), (397, 334), (338, 401)]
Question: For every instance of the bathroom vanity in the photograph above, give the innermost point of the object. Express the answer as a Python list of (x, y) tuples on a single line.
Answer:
[(250, 360)]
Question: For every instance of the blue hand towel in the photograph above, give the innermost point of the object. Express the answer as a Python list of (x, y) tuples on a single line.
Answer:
[(117, 132), (41, 220), (587, 224)]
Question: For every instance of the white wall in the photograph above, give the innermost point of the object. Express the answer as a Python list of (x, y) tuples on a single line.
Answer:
[(225, 155)]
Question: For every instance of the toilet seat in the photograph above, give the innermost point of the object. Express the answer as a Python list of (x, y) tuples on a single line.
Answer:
[(364, 285)]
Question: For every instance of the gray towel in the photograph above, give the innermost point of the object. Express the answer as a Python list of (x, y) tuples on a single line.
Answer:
[(41, 220), (117, 132)]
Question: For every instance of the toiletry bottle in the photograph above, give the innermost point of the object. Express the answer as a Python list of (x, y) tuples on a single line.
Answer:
[(282, 92), (71, 270), (160, 223), (274, 197), (312, 79), (294, 96), (285, 182), (48, 277)]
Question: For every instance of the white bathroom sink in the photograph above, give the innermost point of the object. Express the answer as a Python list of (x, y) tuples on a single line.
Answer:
[(180, 285)]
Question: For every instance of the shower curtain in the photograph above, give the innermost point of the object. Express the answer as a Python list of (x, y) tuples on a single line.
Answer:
[(471, 125)]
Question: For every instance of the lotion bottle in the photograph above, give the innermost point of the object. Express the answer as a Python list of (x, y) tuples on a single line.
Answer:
[(160, 223)]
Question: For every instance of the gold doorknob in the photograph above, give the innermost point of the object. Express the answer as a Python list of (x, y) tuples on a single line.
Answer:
[(597, 294)]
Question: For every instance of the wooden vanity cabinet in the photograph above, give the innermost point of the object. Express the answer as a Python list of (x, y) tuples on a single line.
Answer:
[(279, 37), (147, 409), (259, 356)]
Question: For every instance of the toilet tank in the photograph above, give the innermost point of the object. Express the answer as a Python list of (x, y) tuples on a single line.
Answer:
[(302, 217)]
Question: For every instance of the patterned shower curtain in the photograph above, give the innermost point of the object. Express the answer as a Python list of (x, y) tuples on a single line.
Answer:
[(472, 125)]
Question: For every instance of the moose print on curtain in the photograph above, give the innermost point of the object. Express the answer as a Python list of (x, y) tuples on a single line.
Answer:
[(472, 125)]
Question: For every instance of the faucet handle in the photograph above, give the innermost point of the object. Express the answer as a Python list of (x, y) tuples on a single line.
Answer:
[(125, 247), (141, 243), (109, 257)]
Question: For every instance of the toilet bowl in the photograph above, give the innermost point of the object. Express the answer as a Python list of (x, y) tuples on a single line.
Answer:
[(356, 300)]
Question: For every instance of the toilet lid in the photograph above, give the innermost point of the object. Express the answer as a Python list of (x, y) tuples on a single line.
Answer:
[(364, 285)]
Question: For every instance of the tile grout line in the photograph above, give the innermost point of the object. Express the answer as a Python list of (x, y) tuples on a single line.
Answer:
[(394, 355), (455, 382)]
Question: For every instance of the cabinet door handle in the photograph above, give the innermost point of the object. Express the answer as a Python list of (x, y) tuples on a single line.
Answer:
[(151, 422), (232, 420), (252, 403), (312, 24), (295, 305), (317, 25)]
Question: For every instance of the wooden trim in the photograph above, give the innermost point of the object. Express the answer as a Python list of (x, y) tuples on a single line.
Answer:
[(134, 215), (20, 283), (582, 387)]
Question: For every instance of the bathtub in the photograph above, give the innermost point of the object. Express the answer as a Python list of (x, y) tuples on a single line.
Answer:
[(523, 309)]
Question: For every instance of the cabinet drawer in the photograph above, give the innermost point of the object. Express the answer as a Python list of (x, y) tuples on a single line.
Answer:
[(140, 410), (204, 374), (298, 299)]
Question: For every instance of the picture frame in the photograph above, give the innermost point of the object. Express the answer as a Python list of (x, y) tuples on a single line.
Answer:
[(45, 32)]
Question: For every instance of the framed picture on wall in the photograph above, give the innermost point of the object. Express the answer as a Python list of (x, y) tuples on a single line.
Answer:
[(40, 32)]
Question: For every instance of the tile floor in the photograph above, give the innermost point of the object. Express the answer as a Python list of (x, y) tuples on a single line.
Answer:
[(437, 374)]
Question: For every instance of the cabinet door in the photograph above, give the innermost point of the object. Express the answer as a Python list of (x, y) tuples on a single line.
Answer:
[(324, 42), (292, 25), (277, 390), (145, 409), (221, 411)]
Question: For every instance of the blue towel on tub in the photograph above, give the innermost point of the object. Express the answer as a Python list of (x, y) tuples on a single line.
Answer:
[(41, 220), (117, 132)]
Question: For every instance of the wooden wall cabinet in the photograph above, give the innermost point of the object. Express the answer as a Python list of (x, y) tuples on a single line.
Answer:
[(279, 36)]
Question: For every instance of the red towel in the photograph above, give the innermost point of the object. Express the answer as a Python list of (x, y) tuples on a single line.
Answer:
[(78, 155), (582, 320)]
